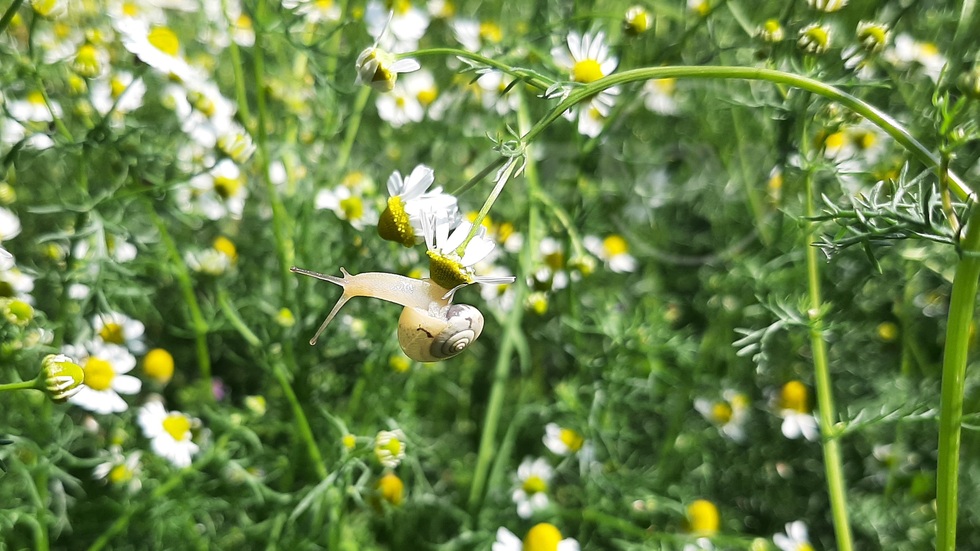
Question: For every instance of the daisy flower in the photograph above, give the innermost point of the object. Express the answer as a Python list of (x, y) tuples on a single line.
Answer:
[(119, 329), (216, 194), (702, 517), (447, 266), (315, 12), (379, 69), (16, 284), (794, 408), (158, 46), (9, 224), (533, 477), (728, 414), (120, 469), (105, 367), (348, 204), (658, 96), (474, 35), (562, 441), (402, 27), (169, 433), (795, 538), (389, 447), (587, 58), (613, 250), (492, 86), (104, 245), (34, 108), (541, 537), (410, 202), (119, 90), (400, 107)]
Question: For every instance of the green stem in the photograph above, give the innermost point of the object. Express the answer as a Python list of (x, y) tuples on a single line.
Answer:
[(305, 432), (961, 306), (874, 115), (825, 403), (18, 386), (353, 124), (182, 273), (236, 321), (498, 393), (8, 15), (504, 176), (532, 78), (241, 96)]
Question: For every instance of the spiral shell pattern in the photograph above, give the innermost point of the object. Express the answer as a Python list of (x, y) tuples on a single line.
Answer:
[(465, 325)]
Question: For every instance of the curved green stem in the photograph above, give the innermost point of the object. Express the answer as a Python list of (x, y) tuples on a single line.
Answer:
[(534, 79), (874, 115), (181, 272), (503, 176), (962, 302), (833, 463), (18, 386), (302, 423)]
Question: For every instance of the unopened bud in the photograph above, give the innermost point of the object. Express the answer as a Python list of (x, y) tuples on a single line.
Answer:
[(60, 377)]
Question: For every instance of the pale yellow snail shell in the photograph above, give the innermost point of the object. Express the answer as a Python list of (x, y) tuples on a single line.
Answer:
[(431, 328), (430, 338)]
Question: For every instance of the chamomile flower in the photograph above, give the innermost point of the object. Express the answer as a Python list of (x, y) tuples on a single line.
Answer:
[(120, 469), (34, 108), (475, 35), (613, 250), (119, 90), (119, 329), (16, 284), (794, 408), (827, 6), (814, 39), (493, 86), (217, 193), (562, 441), (9, 224), (379, 69), (658, 96), (795, 538), (215, 260), (410, 201), (6, 259), (447, 266), (158, 364), (422, 86), (637, 20), (400, 106), (389, 447), (391, 489), (104, 245), (551, 275), (541, 537), (315, 12), (106, 367), (169, 433), (158, 46), (398, 22), (531, 494), (728, 414), (907, 51), (587, 58), (348, 204)]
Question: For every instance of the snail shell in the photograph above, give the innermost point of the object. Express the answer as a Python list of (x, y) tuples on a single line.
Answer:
[(439, 332)]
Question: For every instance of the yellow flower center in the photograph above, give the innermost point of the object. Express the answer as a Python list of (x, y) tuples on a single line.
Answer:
[(739, 401), (130, 9), (721, 413), (637, 21), (572, 439), (394, 223), (794, 396), (226, 187), (165, 40), (887, 331), (352, 207), (929, 49), (202, 103), (120, 474), (427, 96), (534, 484), (117, 87), (835, 141), (702, 515), (587, 70), (400, 7), (98, 373), (491, 32), (349, 441), (112, 333), (35, 97), (87, 60), (447, 272), (614, 245), (865, 140), (224, 246), (392, 447), (819, 37), (178, 426), (391, 488), (44, 8), (401, 364), (159, 365), (542, 537), (244, 22)]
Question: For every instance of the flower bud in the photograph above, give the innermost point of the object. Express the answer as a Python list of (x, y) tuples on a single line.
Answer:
[(814, 39), (60, 377), (637, 20), (391, 489)]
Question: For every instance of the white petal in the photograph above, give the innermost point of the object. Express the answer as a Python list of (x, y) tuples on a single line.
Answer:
[(126, 384)]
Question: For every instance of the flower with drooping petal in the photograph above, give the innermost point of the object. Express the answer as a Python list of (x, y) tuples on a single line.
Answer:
[(389, 447), (447, 266), (562, 441), (63, 377), (728, 414), (169, 433), (379, 69), (410, 201)]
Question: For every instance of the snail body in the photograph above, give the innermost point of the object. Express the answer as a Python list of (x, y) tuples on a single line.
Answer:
[(431, 328)]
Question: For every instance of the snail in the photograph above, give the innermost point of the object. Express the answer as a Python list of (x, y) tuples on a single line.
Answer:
[(431, 328)]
